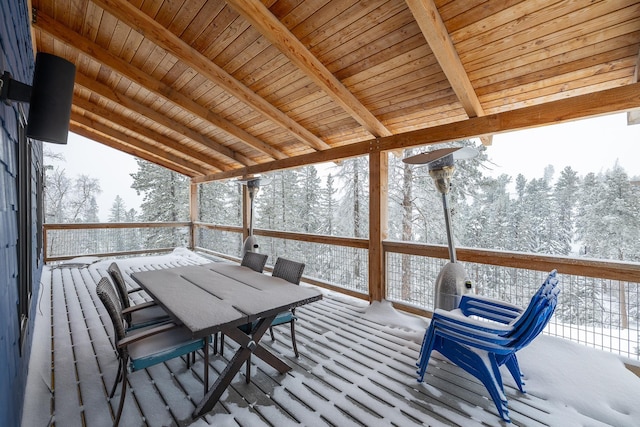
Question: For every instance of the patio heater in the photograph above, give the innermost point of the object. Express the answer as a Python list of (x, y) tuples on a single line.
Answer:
[(452, 281), (253, 186)]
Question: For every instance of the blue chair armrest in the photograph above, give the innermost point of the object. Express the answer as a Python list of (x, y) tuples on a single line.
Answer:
[(488, 308), (456, 323)]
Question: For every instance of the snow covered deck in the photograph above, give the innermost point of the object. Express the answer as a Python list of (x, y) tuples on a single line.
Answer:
[(357, 368)]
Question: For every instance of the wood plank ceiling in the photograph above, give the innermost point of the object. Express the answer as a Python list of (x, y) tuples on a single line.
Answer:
[(212, 88)]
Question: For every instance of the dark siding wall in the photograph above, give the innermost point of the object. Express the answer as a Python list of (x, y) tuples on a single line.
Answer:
[(16, 56)]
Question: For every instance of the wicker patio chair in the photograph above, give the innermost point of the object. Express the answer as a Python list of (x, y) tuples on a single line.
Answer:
[(144, 347)]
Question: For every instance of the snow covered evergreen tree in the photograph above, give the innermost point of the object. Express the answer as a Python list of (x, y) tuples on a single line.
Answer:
[(488, 223), (353, 214), (122, 239), (166, 198), (327, 207), (310, 209), (539, 219), (353, 206), (131, 215), (565, 198), (220, 202), (118, 212)]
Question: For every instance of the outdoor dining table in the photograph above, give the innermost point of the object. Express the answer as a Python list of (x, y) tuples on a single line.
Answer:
[(219, 297)]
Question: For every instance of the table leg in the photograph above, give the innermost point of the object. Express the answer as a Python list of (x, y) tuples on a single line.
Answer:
[(272, 360), (248, 344), (261, 352)]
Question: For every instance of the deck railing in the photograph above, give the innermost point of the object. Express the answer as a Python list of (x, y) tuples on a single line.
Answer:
[(65, 241), (599, 304), (338, 263)]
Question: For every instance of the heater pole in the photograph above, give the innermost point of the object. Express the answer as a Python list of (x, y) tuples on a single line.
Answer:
[(447, 224), (251, 197)]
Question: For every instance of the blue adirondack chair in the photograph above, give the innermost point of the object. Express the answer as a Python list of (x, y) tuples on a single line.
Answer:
[(479, 346)]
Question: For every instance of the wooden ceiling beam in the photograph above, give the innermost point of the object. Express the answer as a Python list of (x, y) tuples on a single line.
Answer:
[(151, 114), (85, 46), (167, 142), (279, 35), (610, 101), (430, 22), (156, 33), (95, 131), (435, 32), (633, 117)]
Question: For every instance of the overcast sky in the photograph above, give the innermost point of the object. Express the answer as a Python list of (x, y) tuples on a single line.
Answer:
[(591, 145)]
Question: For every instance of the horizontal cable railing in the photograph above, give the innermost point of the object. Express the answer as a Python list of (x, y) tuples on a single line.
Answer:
[(66, 241), (599, 304)]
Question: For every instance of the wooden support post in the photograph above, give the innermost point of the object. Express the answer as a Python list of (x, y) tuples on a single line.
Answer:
[(246, 212), (193, 213), (378, 225)]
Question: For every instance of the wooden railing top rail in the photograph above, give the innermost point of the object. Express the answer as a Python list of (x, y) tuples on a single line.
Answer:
[(109, 254), (613, 270), (103, 225), (220, 227), (352, 242)]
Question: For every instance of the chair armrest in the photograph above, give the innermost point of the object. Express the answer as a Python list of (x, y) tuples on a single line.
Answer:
[(455, 320), (146, 333), (489, 308), (137, 307), (487, 342), (471, 332)]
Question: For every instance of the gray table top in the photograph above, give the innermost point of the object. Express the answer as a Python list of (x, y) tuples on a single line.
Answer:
[(208, 298)]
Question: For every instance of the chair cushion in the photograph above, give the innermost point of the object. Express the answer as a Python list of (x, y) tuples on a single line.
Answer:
[(147, 316), (284, 317), (163, 346)]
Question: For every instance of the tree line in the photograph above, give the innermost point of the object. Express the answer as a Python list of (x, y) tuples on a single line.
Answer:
[(594, 216)]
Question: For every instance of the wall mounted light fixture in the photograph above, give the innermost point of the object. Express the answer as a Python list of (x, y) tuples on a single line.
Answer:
[(49, 97)]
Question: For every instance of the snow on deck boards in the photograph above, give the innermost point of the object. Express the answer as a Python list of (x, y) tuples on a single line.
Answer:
[(351, 372)]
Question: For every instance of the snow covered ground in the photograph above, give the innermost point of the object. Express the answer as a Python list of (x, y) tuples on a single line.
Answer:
[(576, 385), (577, 381)]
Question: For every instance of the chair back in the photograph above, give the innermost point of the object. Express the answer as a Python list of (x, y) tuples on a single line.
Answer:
[(538, 298), (548, 285), (546, 312), (537, 315), (291, 271), (254, 261), (109, 299), (121, 286)]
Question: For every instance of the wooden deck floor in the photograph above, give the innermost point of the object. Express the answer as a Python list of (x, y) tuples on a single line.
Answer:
[(352, 372)]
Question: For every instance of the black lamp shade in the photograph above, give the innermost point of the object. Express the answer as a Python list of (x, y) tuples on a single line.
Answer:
[(51, 96)]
